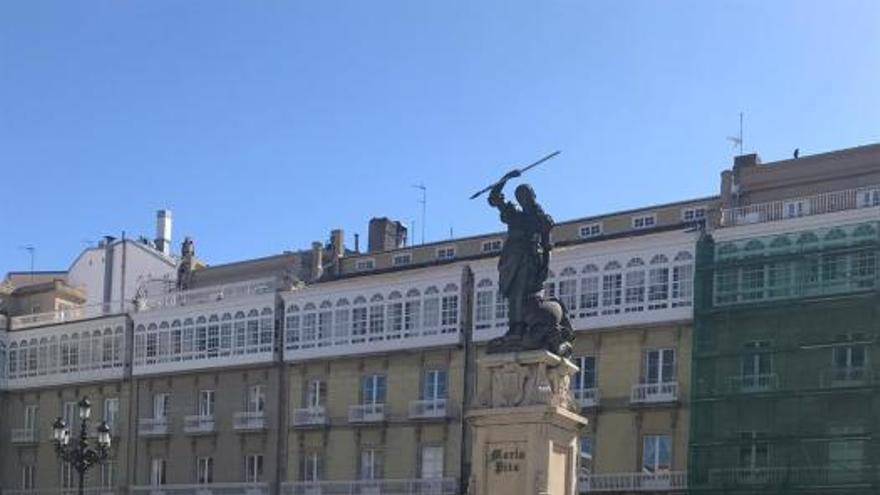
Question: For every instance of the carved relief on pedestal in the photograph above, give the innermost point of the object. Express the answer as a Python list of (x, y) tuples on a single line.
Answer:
[(526, 379)]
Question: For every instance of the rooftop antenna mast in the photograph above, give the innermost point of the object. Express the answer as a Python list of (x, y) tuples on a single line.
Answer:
[(424, 203), (31, 250), (738, 141)]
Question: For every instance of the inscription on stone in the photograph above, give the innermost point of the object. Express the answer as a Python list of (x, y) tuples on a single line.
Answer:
[(506, 466)]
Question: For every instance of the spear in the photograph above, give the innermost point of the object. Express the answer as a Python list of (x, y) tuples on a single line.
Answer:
[(511, 173)]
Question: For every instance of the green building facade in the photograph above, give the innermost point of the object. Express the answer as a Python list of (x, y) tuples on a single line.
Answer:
[(785, 395)]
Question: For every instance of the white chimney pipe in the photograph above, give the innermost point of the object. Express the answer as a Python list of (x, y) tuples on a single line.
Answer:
[(163, 231)]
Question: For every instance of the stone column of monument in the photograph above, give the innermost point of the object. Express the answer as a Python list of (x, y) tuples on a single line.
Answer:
[(524, 424)]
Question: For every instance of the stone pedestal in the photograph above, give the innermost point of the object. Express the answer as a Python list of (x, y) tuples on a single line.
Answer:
[(525, 426)]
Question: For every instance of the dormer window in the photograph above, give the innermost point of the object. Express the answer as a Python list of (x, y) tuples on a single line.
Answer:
[(694, 214), (365, 264), (492, 246), (590, 230), (401, 259), (446, 253), (644, 221)]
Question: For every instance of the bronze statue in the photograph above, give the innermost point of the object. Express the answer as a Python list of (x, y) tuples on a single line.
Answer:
[(534, 321)]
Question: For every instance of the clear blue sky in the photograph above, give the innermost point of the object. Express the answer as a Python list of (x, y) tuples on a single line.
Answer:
[(264, 124)]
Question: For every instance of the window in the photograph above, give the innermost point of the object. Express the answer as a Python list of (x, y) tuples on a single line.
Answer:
[(589, 303), (753, 282), (484, 304), (754, 450), (434, 386), (492, 246), (316, 393), (585, 378), (683, 280), (644, 221), (612, 284), (846, 453), (206, 403), (377, 318), (635, 286), (449, 309), (585, 444), (849, 362), (30, 417), (590, 230), (160, 405), (656, 453), (756, 365), (431, 465), (401, 259), (256, 399), (70, 414), (111, 412), (659, 366), (373, 390), (795, 208), (67, 478), (310, 466), (108, 474), (28, 477), (253, 468), (658, 283), (366, 264), (446, 253), (205, 466), (869, 197), (568, 288), (371, 464), (693, 214), (157, 472)]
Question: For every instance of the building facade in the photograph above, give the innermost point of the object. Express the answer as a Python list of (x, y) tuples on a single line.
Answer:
[(333, 371)]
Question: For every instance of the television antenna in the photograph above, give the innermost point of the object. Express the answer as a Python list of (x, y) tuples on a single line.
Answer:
[(424, 203), (738, 140), (31, 249)]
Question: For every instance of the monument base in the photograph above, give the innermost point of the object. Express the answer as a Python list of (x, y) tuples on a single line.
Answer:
[(525, 426)]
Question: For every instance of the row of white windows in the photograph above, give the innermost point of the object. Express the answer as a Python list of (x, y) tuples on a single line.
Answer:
[(379, 319), (255, 402), (803, 277), (80, 351), (205, 337), (637, 287), (69, 477)]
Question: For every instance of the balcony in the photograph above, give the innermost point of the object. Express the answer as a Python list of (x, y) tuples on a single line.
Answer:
[(438, 486), (205, 489), (366, 413), (586, 397), (209, 294), (654, 393), (830, 202), (69, 314), (151, 427), (24, 436), (309, 416), (748, 384), (198, 425), (850, 376), (633, 482), (427, 409), (249, 421), (856, 473)]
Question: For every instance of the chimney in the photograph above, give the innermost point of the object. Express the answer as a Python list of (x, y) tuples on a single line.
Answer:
[(385, 234), (317, 262), (337, 244), (357, 243), (163, 231), (749, 160)]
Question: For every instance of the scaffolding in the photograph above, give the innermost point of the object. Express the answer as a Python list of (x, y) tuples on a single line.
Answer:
[(785, 395)]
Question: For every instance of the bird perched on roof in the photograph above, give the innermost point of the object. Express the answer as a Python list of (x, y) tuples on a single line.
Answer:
[(797, 152)]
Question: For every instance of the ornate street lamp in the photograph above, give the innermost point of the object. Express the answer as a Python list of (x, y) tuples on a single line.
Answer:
[(79, 454)]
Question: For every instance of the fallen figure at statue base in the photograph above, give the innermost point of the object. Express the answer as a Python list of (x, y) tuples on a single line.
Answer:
[(545, 325)]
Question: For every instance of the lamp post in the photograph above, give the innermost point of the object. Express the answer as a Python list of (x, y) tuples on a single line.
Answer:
[(79, 454)]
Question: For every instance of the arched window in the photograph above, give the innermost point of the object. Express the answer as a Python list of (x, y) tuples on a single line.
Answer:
[(74, 352), (13, 360), (85, 348), (53, 354), (325, 321), (107, 349), (176, 340), (484, 304), (612, 288), (253, 331), (359, 320), (188, 339), (449, 309), (164, 342), (568, 281), (682, 279), (754, 248), (377, 318), (341, 322), (291, 327), (550, 284), (267, 329), (634, 297), (589, 303), (213, 336), (412, 313), (309, 325), (395, 315), (658, 282), (118, 347), (226, 334), (43, 356), (33, 347), (239, 330), (201, 337), (431, 311)]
